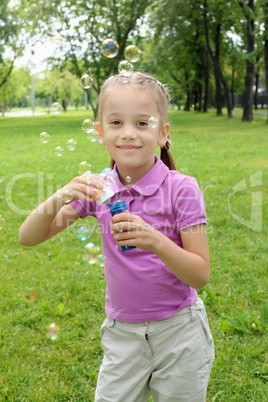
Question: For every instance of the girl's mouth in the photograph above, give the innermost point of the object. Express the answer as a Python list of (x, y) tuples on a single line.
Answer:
[(128, 148)]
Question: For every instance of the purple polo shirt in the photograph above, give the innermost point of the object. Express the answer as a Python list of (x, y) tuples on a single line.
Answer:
[(140, 287)]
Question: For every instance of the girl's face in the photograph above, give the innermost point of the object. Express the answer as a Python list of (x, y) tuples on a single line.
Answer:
[(125, 131)]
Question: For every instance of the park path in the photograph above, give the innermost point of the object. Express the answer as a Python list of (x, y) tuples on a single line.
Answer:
[(23, 113)]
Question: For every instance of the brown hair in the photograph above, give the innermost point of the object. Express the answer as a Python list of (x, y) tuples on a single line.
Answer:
[(144, 81)]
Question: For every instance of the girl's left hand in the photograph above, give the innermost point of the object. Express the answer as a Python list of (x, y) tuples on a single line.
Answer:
[(131, 230)]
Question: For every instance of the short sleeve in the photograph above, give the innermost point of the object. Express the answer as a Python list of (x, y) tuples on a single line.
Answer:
[(84, 208), (189, 204)]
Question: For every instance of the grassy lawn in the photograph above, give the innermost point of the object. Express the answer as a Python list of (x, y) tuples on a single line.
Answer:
[(228, 159)]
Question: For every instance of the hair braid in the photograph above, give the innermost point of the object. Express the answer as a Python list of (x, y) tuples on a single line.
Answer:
[(166, 156)]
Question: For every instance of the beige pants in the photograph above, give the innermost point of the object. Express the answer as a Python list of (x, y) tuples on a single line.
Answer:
[(172, 358)]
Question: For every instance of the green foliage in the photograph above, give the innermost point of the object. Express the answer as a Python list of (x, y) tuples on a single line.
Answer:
[(261, 371), (207, 296), (59, 85), (244, 323), (219, 153), (9, 27), (15, 92), (171, 34)]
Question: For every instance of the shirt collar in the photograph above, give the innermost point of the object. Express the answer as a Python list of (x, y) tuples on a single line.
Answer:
[(148, 184)]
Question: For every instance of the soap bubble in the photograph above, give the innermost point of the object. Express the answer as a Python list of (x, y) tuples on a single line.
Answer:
[(66, 195), (88, 125), (71, 144), (90, 253), (53, 332), (109, 48), (82, 233), (92, 135), (104, 173), (132, 53), (128, 179), (125, 77), (84, 167), (100, 260), (2, 222), (44, 137), (111, 178), (86, 81), (106, 170), (59, 151), (89, 176), (55, 108), (125, 66), (153, 122)]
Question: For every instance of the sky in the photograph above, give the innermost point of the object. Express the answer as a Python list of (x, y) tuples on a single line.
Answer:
[(36, 62)]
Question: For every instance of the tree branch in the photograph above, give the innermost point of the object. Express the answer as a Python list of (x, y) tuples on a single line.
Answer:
[(8, 73)]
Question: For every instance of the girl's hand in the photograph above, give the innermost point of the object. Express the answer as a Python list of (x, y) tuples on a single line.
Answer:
[(131, 230), (83, 187)]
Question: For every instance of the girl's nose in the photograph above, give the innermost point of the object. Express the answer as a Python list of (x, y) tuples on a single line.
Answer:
[(128, 133)]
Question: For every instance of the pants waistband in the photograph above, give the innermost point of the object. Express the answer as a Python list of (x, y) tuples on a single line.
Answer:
[(199, 305)]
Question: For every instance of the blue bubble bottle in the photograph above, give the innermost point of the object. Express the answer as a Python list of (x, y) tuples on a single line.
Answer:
[(117, 208)]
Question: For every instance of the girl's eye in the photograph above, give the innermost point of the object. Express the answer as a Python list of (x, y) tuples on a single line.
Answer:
[(115, 122), (142, 123)]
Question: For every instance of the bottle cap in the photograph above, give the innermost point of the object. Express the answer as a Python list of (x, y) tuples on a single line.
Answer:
[(105, 196)]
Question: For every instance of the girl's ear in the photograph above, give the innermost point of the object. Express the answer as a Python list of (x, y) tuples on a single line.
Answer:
[(164, 135), (100, 133)]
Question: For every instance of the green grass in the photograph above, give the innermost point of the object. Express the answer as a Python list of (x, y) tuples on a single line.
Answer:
[(220, 153)]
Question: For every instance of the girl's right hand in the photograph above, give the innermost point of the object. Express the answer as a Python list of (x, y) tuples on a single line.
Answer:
[(83, 187)]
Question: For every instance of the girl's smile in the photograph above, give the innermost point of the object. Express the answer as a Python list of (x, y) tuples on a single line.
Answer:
[(128, 148)]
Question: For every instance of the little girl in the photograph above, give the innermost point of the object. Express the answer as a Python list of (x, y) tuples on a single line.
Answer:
[(156, 335)]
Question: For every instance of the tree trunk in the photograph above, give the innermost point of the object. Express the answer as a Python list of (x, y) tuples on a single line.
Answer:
[(200, 98), (215, 59), (205, 104), (4, 102), (249, 79), (4, 80), (218, 90), (226, 95), (93, 107), (257, 76), (64, 105), (218, 70), (232, 90), (188, 100), (265, 7)]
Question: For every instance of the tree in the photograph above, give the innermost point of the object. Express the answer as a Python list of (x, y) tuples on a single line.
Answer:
[(219, 11), (178, 51), (232, 50), (8, 39), (265, 36), (248, 10), (84, 25), (18, 25), (59, 85), (15, 91)]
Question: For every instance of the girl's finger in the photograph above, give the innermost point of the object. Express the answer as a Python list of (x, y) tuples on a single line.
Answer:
[(123, 216), (124, 227), (75, 191), (95, 181)]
